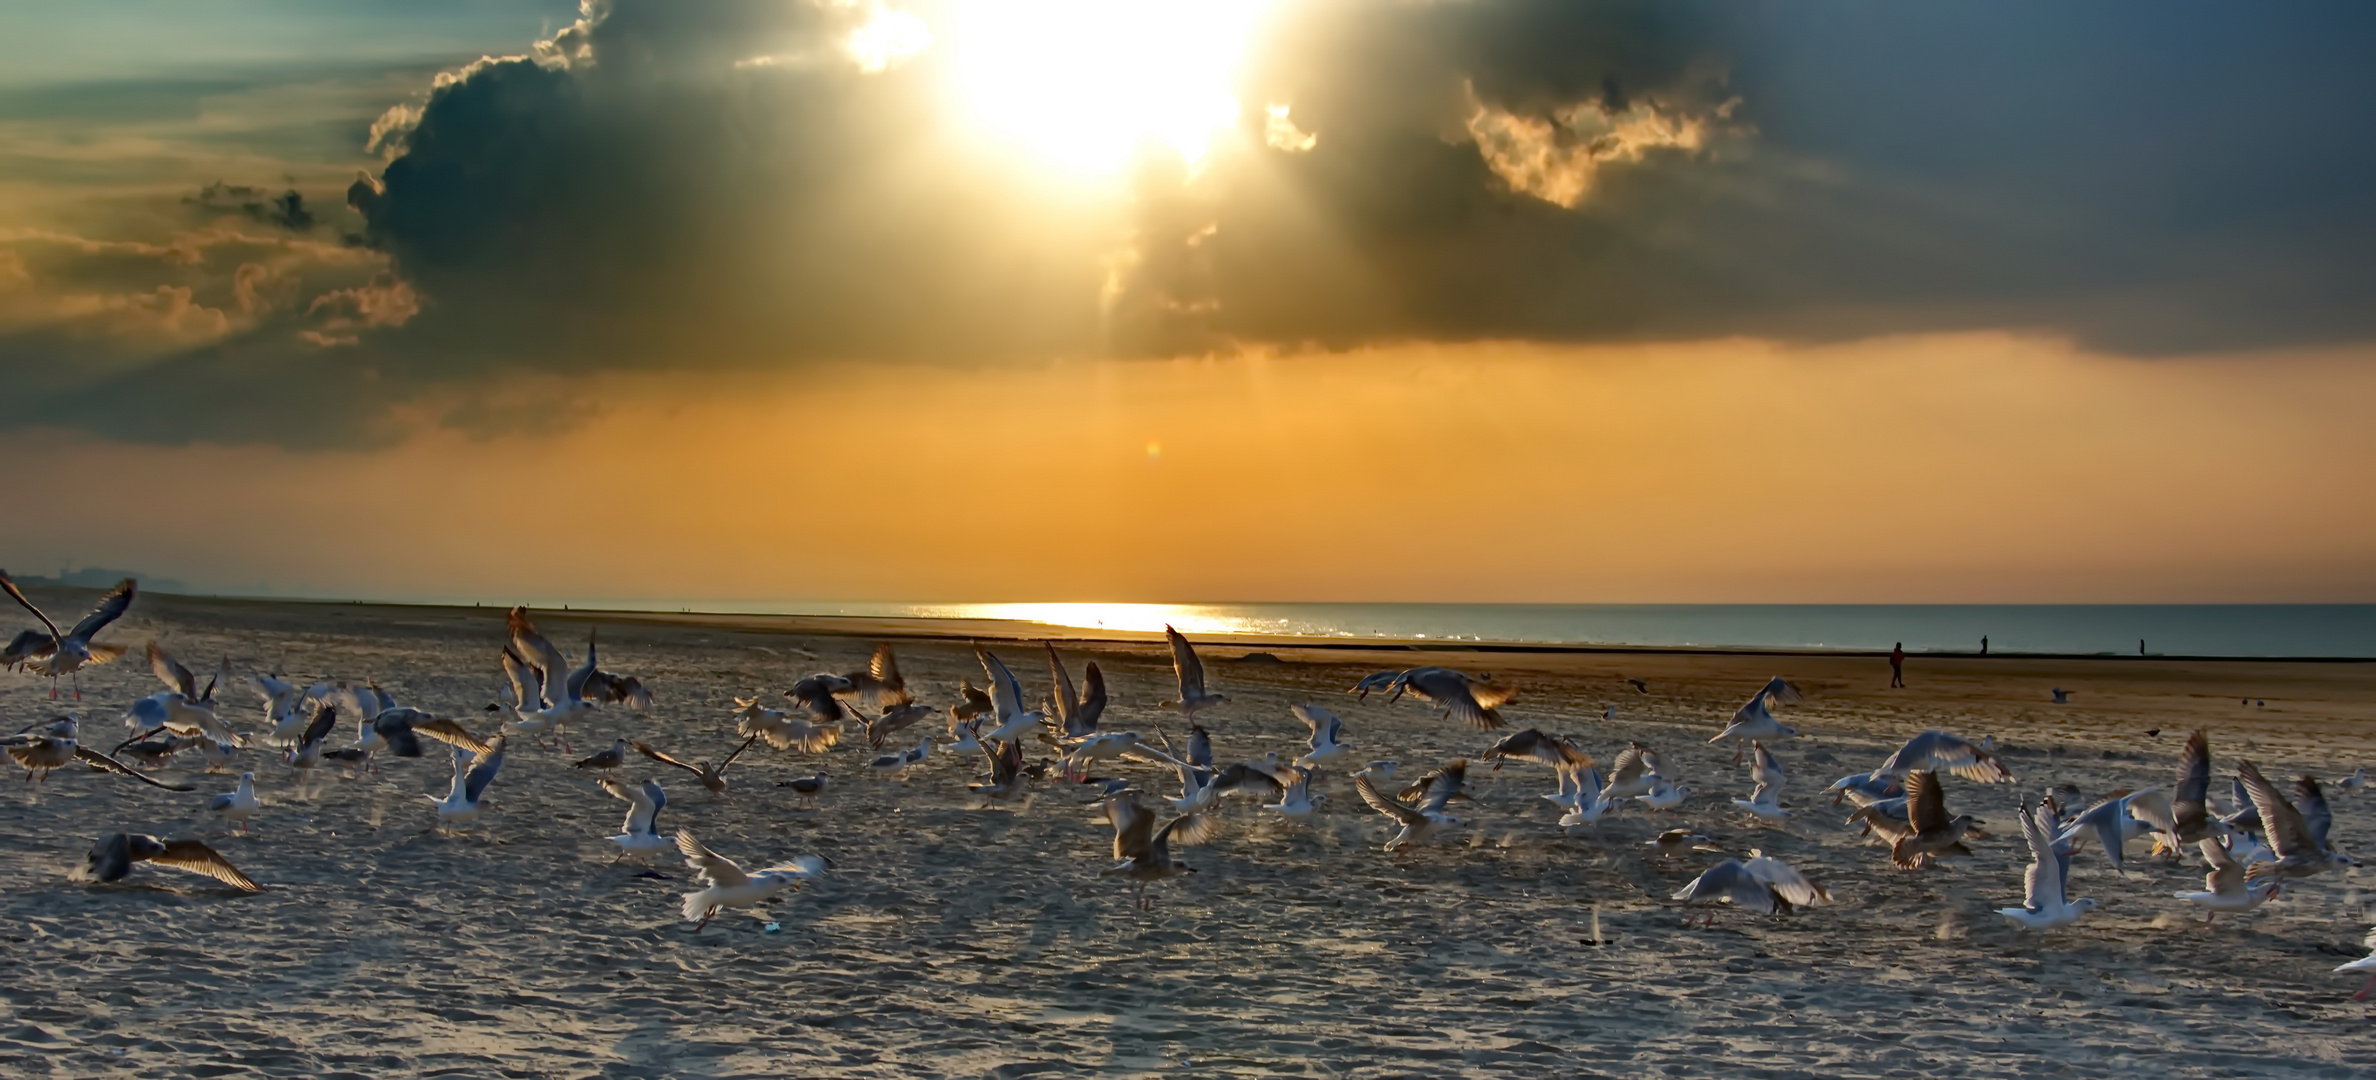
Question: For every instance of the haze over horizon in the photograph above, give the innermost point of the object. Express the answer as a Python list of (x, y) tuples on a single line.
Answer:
[(1285, 300)]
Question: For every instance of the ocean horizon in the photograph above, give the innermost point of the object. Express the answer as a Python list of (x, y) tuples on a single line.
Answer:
[(2324, 631)]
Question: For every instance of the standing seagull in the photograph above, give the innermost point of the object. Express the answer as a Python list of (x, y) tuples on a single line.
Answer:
[(640, 836), (2046, 904), (724, 884), (1755, 719), (65, 653), (472, 774), (239, 805), (1142, 851), (1189, 671), (606, 760), (112, 857), (2299, 836)]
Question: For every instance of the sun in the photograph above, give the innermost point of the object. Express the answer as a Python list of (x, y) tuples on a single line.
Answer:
[(1089, 84)]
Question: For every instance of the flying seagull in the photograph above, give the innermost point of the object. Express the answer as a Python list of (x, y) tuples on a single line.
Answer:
[(1142, 852), (472, 774), (1938, 751), (2046, 902), (1425, 818), (2298, 835), (725, 885), (112, 857), (711, 777), (1077, 714), (58, 742), (65, 652), (1189, 673), (1755, 718), (640, 836)]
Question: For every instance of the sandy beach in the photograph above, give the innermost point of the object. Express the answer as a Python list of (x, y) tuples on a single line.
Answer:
[(952, 941)]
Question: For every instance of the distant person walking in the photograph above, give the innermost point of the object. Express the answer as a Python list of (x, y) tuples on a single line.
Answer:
[(1983, 644), (1897, 665)]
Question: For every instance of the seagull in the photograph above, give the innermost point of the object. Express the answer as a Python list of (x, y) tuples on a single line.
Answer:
[(1673, 842), (187, 710), (640, 836), (65, 652), (1634, 774), (2225, 887), (1766, 800), (1762, 884), (1201, 788), (2062, 697), (2111, 823), (112, 857), (2366, 963), (1938, 751), (1076, 715), (1933, 833), (284, 706), (1425, 819), (399, 730), (1295, 799), (1142, 852), (605, 760), (782, 731), (1012, 720), (713, 778), (973, 702), (903, 760), (155, 750), (1474, 701), (1006, 772), (1864, 788), (239, 805), (724, 884), (528, 706), (895, 719), (1552, 750), (1755, 719), (2185, 817), (1382, 770), (1107, 746), (1665, 794), (472, 774), (1189, 671), (610, 689), (2299, 836), (59, 742), (1326, 731), (880, 686), (1639, 685), (1585, 806), (808, 788), (564, 689), (2357, 780), (307, 753), (2045, 902)]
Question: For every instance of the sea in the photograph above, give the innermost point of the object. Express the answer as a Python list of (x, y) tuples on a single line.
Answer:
[(2323, 631)]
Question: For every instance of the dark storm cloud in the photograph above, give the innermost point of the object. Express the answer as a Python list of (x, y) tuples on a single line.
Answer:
[(687, 183)]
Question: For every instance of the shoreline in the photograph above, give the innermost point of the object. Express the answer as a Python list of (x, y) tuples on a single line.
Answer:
[(931, 628)]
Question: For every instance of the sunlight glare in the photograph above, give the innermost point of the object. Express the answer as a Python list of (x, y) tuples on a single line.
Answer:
[(1088, 83)]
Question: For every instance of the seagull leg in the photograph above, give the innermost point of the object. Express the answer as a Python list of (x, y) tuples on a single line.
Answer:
[(2364, 991)]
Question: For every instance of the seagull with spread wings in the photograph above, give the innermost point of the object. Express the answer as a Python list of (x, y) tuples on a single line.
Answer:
[(640, 837), (1009, 719), (44, 748), (1142, 852), (112, 857), (879, 685), (472, 774), (1761, 883), (2297, 835), (1327, 745), (1473, 700), (2046, 902), (1765, 800), (2225, 888), (1938, 751), (1188, 672), (711, 777), (1076, 714), (65, 652), (1755, 719), (781, 730), (1636, 771), (1425, 818), (725, 885), (564, 692), (1932, 834)]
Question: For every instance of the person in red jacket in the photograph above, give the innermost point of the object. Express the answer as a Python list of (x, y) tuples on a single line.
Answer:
[(1897, 665)]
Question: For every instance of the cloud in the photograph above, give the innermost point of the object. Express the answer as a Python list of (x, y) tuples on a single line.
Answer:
[(285, 210)]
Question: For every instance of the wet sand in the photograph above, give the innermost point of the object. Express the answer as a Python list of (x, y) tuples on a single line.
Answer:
[(953, 941)]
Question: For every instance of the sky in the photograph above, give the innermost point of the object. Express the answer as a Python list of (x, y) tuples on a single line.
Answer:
[(1152, 300)]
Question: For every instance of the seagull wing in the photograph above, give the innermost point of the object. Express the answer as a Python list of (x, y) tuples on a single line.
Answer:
[(171, 672), (645, 748), (450, 733), (640, 807), (111, 607), (2194, 773), (527, 682), (539, 653), (2227, 875), (1380, 803), (2315, 815), (2044, 881), (2280, 822), (27, 645), (19, 595), (104, 763), (1093, 698), (1730, 880), (574, 687), (1066, 703), (482, 771), (1766, 771), (1134, 827), (712, 867), (1786, 880), (1926, 802), (197, 858), (885, 686), (1006, 694), (1185, 666)]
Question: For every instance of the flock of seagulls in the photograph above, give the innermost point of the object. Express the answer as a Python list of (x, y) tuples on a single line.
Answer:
[(2267, 841)]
